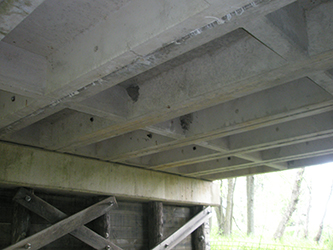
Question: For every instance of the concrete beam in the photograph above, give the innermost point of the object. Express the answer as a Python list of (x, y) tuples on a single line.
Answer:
[(311, 161), (146, 121), (300, 98), (13, 13), (314, 127), (320, 30), (301, 150), (323, 79), (178, 20), (22, 72), (135, 58), (43, 135), (153, 99), (291, 21), (269, 158), (241, 172), (30, 167), (13, 107), (272, 78), (265, 31), (208, 166), (179, 155), (108, 104)]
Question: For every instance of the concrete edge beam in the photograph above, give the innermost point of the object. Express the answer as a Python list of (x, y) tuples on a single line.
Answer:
[(36, 168)]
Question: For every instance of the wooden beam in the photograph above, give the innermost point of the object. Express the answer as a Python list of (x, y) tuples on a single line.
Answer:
[(53, 215), (20, 223), (185, 230), (65, 226), (102, 225), (155, 223), (198, 236)]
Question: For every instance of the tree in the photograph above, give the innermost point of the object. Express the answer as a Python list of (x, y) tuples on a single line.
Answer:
[(219, 210), (306, 228), (292, 205), (250, 207), (229, 210), (321, 225)]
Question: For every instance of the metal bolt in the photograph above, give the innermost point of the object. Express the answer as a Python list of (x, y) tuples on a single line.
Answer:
[(166, 245), (27, 198), (107, 247), (107, 235), (27, 246), (201, 238), (111, 203)]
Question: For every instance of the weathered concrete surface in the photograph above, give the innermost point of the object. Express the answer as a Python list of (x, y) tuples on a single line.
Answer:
[(204, 89), (25, 166), (13, 12)]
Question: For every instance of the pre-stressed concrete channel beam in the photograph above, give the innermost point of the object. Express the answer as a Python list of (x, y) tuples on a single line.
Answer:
[(299, 68), (320, 147), (241, 172), (82, 88), (151, 117), (267, 9), (300, 98), (283, 134)]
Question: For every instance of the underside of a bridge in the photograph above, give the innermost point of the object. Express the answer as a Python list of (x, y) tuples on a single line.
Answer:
[(152, 100)]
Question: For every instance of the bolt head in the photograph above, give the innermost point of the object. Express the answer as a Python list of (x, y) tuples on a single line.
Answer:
[(166, 245), (28, 198), (27, 246), (107, 247)]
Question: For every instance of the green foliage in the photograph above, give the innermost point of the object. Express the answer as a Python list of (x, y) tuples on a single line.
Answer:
[(242, 242), (327, 238)]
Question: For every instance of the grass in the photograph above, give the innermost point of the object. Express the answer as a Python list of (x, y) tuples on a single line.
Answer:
[(241, 242)]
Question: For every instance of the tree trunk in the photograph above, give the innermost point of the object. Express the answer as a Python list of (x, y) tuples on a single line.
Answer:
[(219, 211), (228, 215), (292, 205), (250, 208), (306, 229), (321, 225)]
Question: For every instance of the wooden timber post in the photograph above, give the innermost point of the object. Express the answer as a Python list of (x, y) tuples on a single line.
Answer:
[(198, 236), (20, 222), (155, 223), (102, 225)]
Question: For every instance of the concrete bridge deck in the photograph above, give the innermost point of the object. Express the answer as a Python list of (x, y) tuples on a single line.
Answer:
[(203, 89)]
